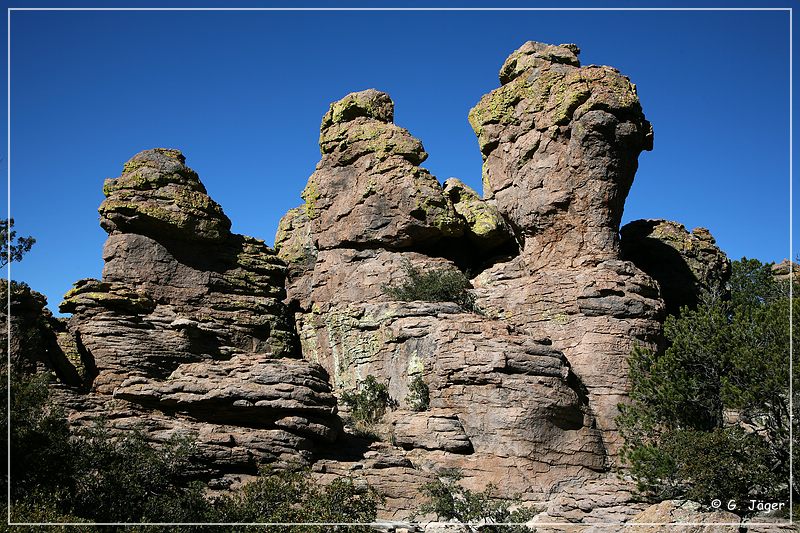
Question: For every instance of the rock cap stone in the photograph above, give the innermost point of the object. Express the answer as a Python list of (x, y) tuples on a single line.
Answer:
[(158, 195), (532, 55), (369, 103)]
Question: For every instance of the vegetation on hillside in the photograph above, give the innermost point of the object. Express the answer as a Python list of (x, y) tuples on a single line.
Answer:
[(96, 476), (367, 405), (709, 417)]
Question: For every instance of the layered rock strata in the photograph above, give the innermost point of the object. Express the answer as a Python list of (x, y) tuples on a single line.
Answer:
[(187, 331), (33, 343), (560, 144), (524, 394), (197, 331)]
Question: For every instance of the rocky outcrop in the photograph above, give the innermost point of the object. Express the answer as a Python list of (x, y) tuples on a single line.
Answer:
[(686, 265), (523, 394), (786, 270), (560, 145), (33, 343), (369, 189), (198, 331), (188, 321)]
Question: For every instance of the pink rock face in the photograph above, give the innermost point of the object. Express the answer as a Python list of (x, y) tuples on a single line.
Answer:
[(198, 331), (523, 394), (560, 144), (187, 331), (368, 188)]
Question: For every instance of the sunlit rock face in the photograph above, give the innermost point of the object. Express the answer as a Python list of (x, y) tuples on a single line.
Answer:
[(560, 144), (523, 394), (187, 331), (197, 331)]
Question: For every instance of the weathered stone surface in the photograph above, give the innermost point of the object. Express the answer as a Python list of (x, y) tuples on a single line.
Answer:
[(785, 270), (368, 188), (224, 451), (33, 343), (431, 430), (670, 513), (560, 144), (158, 194), (610, 500), (534, 382), (252, 390), (189, 322), (686, 265), (197, 331), (485, 227)]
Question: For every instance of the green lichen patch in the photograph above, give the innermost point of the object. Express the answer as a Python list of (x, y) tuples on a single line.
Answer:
[(355, 139), (94, 293), (370, 103), (311, 196)]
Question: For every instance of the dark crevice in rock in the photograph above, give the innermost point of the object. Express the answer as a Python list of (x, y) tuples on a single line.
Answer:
[(87, 360)]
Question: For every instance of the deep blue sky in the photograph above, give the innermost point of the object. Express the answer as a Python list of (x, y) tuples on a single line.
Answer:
[(242, 95)]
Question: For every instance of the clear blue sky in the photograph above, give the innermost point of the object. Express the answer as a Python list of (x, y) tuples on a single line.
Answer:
[(242, 95)]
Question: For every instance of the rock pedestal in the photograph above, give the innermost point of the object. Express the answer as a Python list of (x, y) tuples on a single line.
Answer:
[(187, 331)]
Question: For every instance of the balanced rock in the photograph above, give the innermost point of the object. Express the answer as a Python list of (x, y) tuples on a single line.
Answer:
[(189, 321), (560, 145), (686, 265), (158, 194), (196, 331)]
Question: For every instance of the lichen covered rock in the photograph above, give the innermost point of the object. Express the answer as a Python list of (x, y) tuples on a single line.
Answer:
[(559, 144), (368, 189), (485, 227), (158, 194), (196, 331), (189, 322), (686, 265)]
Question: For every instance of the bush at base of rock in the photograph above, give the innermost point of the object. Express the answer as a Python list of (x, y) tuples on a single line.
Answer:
[(291, 497), (95, 476), (436, 285), (448, 501), (367, 405), (709, 417)]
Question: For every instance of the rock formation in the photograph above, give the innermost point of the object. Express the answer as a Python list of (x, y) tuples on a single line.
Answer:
[(198, 331), (187, 331), (560, 145), (523, 395), (34, 335), (686, 265)]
